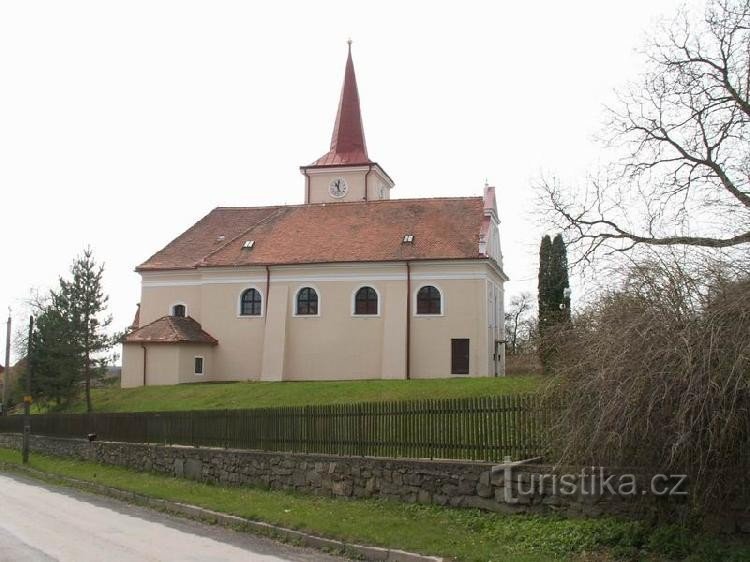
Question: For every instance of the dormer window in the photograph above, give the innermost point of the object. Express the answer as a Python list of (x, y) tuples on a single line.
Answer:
[(408, 239), (179, 310), (248, 245)]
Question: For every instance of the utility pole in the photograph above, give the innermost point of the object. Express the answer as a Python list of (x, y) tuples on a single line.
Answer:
[(7, 364), (27, 398)]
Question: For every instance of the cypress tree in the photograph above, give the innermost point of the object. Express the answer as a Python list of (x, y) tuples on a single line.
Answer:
[(545, 251), (558, 267), (553, 280)]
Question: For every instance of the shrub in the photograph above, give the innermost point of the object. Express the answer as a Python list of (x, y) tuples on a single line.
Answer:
[(656, 375)]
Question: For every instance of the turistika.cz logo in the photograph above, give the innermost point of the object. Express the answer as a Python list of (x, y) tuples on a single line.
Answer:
[(591, 481)]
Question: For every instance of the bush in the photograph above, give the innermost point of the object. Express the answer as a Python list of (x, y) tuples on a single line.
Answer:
[(656, 375)]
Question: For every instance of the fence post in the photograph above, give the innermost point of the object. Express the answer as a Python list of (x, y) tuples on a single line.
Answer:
[(226, 429)]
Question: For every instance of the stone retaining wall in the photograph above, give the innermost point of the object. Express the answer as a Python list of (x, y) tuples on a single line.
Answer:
[(514, 488)]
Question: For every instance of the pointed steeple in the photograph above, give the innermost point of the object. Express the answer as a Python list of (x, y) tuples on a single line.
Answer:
[(348, 139)]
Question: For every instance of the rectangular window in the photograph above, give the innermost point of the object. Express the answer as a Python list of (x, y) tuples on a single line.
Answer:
[(199, 365), (459, 357)]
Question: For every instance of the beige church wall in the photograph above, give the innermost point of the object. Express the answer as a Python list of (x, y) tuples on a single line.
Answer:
[(335, 345), (239, 353), (463, 317), (394, 331), (275, 337), (158, 301), (162, 364), (132, 366), (281, 346), (186, 362)]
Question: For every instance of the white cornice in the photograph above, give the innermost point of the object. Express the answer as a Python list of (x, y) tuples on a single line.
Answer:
[(333, 170), (360, 273)]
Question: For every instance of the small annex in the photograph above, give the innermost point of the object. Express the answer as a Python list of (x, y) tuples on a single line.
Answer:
[(349, 284)]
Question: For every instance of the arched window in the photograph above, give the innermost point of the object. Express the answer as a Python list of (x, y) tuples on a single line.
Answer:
[(429, 300), (250, 303), (366, 301), (307, 302), (179, 310)]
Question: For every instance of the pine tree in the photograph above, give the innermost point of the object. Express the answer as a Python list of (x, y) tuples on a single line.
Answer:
[(56, 365), (82, 302)]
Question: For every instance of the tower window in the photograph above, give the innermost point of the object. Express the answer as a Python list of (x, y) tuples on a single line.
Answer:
[(250, 303), (366, 301), (179, 310), (307, 302), (429, 300)]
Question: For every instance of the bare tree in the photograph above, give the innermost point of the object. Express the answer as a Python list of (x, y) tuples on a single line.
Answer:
[(518, 320), (681, 175)]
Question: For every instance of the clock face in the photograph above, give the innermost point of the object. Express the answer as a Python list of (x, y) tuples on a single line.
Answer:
[(338, 188)]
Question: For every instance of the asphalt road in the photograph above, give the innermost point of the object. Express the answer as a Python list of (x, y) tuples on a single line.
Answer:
[(41, 523)]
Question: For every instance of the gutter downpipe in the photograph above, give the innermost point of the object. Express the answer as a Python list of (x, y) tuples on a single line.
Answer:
[(268, 290), (307, 186), (408, 320), (145, 351), (367, 175)]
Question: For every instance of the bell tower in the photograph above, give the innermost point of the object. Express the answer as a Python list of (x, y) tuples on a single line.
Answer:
[(345, 173)]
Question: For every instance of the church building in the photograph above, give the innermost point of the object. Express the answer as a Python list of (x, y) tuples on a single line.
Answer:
[(352, 284)]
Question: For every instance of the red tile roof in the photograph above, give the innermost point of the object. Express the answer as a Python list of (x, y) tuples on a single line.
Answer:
[(171, 329), (443, 228), (348, 145)]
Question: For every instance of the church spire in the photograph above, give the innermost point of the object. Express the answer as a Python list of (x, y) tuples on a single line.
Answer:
[(348, 139)]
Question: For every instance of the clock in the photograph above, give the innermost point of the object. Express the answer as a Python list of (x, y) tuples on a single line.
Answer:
[(338, 188)]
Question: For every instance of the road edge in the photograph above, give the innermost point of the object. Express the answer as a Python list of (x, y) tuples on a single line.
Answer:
[(235, 522)]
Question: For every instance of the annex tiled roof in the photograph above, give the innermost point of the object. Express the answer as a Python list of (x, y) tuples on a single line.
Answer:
[(170, 329), (348, 145), (443, 228)]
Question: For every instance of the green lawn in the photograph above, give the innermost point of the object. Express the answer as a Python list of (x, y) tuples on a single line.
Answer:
[(467, 535), (264, 394)]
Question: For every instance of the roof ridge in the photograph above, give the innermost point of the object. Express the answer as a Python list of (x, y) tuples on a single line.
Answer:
[(385, 201), (150, 323)]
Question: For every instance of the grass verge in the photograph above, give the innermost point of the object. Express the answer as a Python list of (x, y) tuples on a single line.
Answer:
[(468, 535), (265, 394)]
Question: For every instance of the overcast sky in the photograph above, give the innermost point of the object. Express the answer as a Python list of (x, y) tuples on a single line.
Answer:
[(123, 123)]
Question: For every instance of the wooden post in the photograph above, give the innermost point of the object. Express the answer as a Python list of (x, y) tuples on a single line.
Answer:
[(7, 364), (27, 397)]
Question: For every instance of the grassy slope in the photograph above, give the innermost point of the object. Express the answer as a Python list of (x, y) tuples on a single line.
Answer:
[(258, 395), (467, 535)]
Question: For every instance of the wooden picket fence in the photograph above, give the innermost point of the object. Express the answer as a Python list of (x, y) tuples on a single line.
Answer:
[(487, 429)]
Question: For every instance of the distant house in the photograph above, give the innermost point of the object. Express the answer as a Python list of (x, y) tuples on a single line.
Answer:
[(12, 374), (349, 285)]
